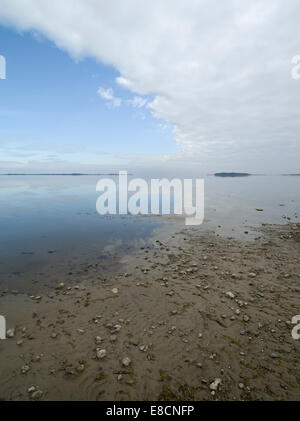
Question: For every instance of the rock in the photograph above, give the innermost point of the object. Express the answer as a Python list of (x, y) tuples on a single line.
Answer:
[(199, 365), (100, 353), (273, 355), (60, 286), (230, 294), (98, 340), (113, 338), (252, 275), (115, 290), (70, 371), (31, 389), (259, 209), (80, 368), (241, 386), (246, 318), (81, 331), (126, 361), (10, 333), (37, 394), (25, 369), (215, 384)]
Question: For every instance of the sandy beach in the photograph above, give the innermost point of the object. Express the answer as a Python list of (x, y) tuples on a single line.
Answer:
[(189, 316)]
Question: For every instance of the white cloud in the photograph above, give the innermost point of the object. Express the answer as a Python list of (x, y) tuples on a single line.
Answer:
[(108, 94), (219, 71), (137, 102)]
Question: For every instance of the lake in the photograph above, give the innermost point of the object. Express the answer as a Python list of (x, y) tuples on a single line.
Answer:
[(49, 224)]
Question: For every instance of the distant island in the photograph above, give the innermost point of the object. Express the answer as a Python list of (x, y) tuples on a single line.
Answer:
[(232, 174), (292, 175)]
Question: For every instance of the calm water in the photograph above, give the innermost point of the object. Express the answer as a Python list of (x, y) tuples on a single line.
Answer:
[(43, 213)]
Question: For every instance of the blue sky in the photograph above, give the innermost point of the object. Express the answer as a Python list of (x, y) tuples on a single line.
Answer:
[(216, 77), (50, 109)]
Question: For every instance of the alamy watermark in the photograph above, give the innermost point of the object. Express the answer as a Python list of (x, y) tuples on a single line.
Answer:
[(296, 329), (296, 69), (2, 327), (2, 67), (187, 197)]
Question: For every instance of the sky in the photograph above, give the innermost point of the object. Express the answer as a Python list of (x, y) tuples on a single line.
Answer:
[(93, 86)]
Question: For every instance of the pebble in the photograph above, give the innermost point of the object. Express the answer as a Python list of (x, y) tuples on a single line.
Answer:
[(126, 361), (25, 369), (230, 294), (115, 290), (215, 384), (37, 394), (10, 333), (100, 353), (98, 340), (252, 275)]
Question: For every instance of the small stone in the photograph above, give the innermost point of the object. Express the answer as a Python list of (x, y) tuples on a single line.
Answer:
[(100, 353), (70, 371), (252, 275), (10, 333), (60, 286), (37, 394), (241, 386), (25, 369), (126, 361), (246, 318), (215, 384), (80, 368), (98, 340), (115, 290), (199, 365), (273, 355), (81, 331), (230, 294)]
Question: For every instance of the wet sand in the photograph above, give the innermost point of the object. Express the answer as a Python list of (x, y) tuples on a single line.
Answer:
[(189, 316)]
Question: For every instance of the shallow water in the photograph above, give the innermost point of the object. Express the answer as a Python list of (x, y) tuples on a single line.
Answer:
[(39, 214)]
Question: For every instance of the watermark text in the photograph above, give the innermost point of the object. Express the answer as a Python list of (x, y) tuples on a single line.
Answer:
[(154, 197), (2, 67), (296, 69)]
